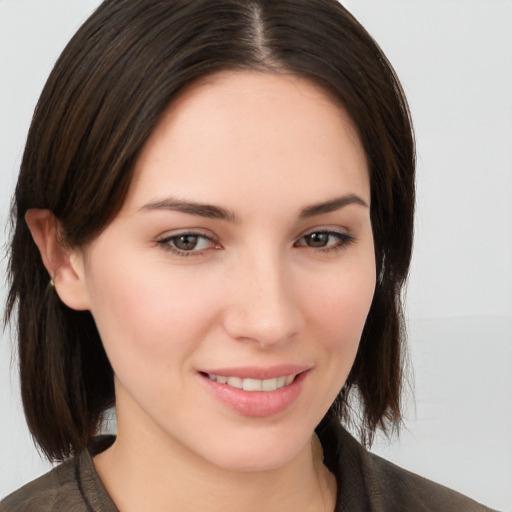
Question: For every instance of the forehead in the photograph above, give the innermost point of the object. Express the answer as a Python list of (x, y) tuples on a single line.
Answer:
[(252, 131)]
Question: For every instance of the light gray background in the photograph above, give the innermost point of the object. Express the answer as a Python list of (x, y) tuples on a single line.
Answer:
[(454, 58)]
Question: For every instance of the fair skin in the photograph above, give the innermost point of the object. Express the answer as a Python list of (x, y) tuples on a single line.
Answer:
[(266, 285)]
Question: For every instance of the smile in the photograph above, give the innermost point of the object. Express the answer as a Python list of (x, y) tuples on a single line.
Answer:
[(257, 392), (254, 384)]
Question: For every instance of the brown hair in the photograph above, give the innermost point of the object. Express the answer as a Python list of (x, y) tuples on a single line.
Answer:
[(103, 99)]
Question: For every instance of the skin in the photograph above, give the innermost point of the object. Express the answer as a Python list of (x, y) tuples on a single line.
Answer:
[(253, 292)]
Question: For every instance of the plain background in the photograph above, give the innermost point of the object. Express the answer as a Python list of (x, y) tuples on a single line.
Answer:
[(454, 58)]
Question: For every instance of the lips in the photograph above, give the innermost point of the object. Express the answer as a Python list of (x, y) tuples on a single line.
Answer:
[(256, 392)]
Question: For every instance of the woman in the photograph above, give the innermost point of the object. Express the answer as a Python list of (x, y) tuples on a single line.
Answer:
[(213, 226)]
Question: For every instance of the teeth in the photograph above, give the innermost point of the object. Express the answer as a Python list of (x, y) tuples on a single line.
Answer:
[(269, 385), (235, 382), (251, 385), (254, 384)]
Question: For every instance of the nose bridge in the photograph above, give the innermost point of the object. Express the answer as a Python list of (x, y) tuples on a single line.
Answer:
[(263, 308)]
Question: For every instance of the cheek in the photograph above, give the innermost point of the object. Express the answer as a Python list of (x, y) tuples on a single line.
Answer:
[(342, 302), (338, 306), (146, 314)]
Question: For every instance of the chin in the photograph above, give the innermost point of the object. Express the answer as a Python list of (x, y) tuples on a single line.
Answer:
[(252, 463), (261, 452)]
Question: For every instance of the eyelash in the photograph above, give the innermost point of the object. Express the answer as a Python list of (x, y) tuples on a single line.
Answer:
[(166, 243), (343, 240)]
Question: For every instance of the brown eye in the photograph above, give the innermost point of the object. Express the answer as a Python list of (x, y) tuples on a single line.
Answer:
[(185, 242), (317, 239), (325, 241)]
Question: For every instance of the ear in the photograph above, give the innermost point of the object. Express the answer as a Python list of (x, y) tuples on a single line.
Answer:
[(64, 264)]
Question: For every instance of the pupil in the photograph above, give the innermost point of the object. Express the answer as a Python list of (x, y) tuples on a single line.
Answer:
[(186, 242), (318, 239)]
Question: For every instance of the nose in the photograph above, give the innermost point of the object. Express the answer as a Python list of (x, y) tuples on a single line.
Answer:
[(263, 306)]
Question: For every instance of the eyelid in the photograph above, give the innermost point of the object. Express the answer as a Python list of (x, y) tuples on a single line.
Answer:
[(332, 230), (344, 238), (326, 229), (164, 241), (186, 231)]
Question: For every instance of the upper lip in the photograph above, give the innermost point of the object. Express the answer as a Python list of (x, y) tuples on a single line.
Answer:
[(252, 372)]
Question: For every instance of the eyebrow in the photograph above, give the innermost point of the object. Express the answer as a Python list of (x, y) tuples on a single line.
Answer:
[(192, 208), (216, 212), (331, 206)]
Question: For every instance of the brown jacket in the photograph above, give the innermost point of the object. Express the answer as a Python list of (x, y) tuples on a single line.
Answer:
[(366, 483)]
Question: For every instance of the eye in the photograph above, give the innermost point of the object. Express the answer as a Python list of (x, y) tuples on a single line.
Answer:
[(325, 240), (187, 244)]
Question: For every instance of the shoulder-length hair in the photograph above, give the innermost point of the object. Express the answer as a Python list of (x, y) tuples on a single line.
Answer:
[(105, 96)]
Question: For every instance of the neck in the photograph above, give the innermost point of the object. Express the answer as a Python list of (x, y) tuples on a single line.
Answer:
[(143, 472)]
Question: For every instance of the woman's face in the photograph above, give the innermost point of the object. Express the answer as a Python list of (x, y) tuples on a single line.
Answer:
[(242, 256)]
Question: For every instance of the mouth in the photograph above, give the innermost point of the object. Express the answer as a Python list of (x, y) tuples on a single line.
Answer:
[(248, 384), (256, 392)]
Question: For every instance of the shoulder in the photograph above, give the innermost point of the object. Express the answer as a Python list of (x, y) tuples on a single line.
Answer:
[(56, 490), (400, 489), (73, 486), (369, 482)]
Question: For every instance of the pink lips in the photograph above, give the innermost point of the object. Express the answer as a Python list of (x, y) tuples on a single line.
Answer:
[(256, 403)]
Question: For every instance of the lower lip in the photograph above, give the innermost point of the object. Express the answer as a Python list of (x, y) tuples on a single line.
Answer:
[(257, 404)]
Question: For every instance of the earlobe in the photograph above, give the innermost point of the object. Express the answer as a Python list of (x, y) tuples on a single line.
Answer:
[(64, 263)]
